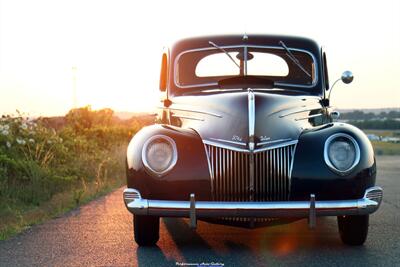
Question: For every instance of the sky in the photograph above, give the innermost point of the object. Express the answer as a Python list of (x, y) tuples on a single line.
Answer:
[(115, 47)]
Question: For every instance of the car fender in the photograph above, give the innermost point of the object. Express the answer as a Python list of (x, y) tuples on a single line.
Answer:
[(190, 173), (311, 175)]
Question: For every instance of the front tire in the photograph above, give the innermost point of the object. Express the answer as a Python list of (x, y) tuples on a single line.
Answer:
[(146, 229), (353, 229)]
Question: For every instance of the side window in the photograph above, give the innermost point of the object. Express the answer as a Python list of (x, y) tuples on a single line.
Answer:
[(325, 71), (164, 72)]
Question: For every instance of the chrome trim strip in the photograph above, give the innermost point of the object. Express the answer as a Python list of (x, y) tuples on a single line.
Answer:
[(208, 142), (315, 80), (299, 111), (251, 174), (252, 118), (174, 208), (219, 145), (196, 85), (131, 195), (276, 146), (221, 90), (292, 153), (273, 141), (309, 117), (327, 159), (245, 59), (191, 110), (230, 142), (252, 125), (187, 117), (209, 155)]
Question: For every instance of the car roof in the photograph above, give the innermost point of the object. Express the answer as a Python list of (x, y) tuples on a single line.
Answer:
[(252, 39)]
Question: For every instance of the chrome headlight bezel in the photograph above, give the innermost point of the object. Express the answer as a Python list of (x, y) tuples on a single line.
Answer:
[(328, 161), (174, 155)]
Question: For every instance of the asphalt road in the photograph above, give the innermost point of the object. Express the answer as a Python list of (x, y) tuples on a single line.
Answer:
[(100, 234)]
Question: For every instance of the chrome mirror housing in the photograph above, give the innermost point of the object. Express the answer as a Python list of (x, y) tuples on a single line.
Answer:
[(347, 77)]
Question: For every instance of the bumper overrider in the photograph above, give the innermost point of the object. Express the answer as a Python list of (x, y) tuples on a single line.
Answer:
[(209, 209)]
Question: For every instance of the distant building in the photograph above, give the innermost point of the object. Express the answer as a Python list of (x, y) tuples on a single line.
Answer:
[(390, 139), (373, 137)]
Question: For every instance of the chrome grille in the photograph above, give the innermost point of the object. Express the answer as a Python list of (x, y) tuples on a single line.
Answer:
[(231, 179)]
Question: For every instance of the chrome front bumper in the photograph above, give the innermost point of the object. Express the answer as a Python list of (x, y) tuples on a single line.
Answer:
[(191, 208)]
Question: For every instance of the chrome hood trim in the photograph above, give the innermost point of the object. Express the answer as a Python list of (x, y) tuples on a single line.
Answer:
[(246, 119)]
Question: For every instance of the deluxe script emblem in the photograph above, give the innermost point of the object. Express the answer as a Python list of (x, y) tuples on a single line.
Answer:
[(236, 138), (264, 138)]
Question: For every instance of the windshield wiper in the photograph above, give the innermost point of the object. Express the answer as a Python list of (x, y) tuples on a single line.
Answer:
[(226, 53), (294, 59)]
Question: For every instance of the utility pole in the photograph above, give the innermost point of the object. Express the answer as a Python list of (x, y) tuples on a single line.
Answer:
[(74, 96)]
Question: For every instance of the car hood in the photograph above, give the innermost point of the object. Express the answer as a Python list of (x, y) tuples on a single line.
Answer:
[(226, 118)]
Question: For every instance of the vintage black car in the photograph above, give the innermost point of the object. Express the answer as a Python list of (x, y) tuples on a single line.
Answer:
[(245, 136)]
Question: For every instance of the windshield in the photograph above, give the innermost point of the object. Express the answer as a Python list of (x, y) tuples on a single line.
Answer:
[(204, 68)]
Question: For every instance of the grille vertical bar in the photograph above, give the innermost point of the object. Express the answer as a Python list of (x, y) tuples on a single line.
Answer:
[(230, 172)]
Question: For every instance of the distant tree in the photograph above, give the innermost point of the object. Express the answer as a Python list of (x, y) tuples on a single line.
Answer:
[(86, 118), (383, 115), (393, 114), (369, 116), (80, 118), (103, 117), (377, 124), (361, 115)]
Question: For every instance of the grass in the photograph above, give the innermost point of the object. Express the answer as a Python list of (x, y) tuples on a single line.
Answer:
[(384, 133), (385, 148), (17, 216), (48, 168)]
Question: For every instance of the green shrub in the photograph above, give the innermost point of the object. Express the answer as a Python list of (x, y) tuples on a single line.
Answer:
[(84, 156)]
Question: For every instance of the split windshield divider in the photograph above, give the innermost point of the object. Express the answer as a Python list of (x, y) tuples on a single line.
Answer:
[(242, 71)]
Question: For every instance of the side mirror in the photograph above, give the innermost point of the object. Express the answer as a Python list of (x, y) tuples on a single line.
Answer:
[(347, 77)]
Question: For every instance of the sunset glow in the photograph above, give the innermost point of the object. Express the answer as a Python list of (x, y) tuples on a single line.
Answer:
[(116, 47)]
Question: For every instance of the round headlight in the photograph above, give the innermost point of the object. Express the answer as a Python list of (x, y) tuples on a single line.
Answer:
[(159, 154), (341, 153)]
